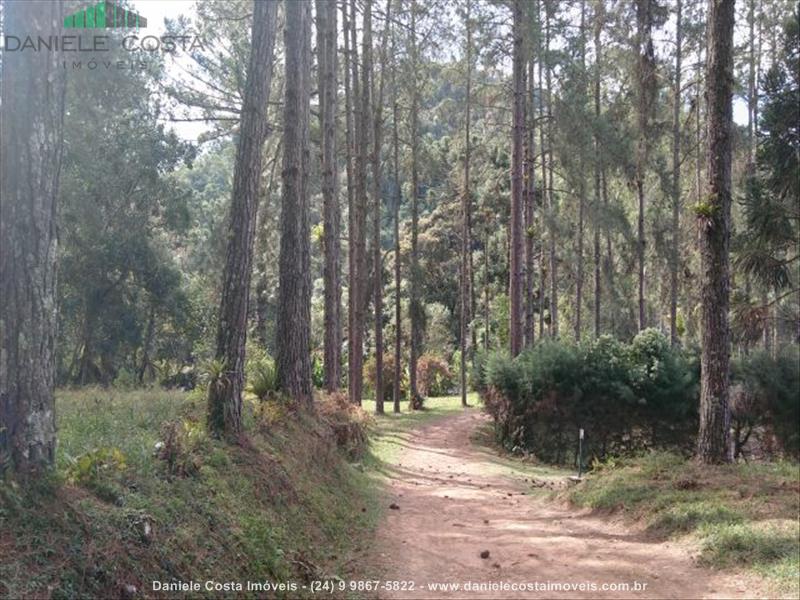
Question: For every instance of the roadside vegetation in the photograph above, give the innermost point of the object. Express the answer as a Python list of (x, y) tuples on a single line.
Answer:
[(738, 516), (142, 493)]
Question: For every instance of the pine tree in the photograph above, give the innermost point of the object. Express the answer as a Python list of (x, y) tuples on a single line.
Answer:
[(225, 391), (293, 358), (32, 116), (714, 222)]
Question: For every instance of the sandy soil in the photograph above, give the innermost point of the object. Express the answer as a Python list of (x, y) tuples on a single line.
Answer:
[(457, 499)]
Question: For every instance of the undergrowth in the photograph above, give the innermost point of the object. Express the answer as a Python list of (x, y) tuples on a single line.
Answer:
[(142, 494)]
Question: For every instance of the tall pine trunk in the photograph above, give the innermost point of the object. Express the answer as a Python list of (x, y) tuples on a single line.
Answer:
[(581, 196), (516, 259), (552, 207), (599, 15), (293, 359), (646, 96), (530, 189), (714, 222), (676, 178), (328, 92), (466, 214), (416, 309), (31, 127), (377, 255), (398, 190), (225, 392), (545, 192), (357, 220)]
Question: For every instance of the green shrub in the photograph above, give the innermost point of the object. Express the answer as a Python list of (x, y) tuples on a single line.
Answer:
[(765, 394), (262, 376), (627, 397)]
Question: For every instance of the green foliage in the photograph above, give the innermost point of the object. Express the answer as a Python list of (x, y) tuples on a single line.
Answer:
[(434, 377), (764, 394), (625, 396), (262, 377), (318, 370), (88, 468)]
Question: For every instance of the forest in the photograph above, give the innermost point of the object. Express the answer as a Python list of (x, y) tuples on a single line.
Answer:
[(282, 280)]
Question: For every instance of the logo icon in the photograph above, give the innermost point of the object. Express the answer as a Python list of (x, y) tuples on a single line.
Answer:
[(104, 15)]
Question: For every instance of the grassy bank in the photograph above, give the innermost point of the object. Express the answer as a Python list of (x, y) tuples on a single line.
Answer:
[(741, 515), (142, 494)]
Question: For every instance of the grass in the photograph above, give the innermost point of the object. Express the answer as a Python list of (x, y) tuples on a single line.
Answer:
[(739, 514), (285, 506)]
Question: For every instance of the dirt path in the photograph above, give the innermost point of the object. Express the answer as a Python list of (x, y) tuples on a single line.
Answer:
[(457, 499)]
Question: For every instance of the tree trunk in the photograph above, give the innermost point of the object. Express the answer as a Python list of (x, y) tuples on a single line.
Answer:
[(225, 392), (714, 221), (293, 359), (599, 15), (32, 117), (516, 259), (415, 306), (581, 198), (357, 222), (646, 88), (551, 208), (328, 92), (676, 179), (376, 193), (349, 168), (398, 316), (147, 344), (530, 193), (545, 192), (466, 211)]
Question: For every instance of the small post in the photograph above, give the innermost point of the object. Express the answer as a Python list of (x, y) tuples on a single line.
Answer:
[(580, 452)]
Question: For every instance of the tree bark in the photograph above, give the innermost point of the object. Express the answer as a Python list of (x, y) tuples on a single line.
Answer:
[(32, 117), (581, 197), (646, 96), (398, 338), (349, 144), (225, 393), (516, 259), (293, 359), (357, 221), (714, 222), (545, 192), (530, 188), (415, 305), (552, 208), (328, 92), (599, 15), (466, 213), (376, 193), (676, 178)]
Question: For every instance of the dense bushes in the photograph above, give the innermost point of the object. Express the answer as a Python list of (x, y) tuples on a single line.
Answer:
[(625, 396), (765, 402), (629, 397)]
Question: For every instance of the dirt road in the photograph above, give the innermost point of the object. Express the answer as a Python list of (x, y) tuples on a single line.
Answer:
[(457, 499)]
